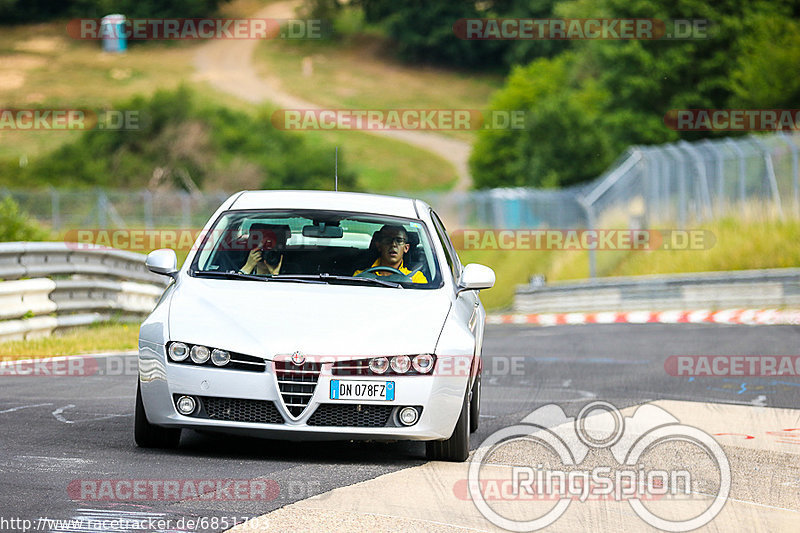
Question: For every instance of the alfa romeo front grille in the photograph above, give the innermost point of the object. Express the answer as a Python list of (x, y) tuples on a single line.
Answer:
[(365, 416), (297, 384), (240, 410)]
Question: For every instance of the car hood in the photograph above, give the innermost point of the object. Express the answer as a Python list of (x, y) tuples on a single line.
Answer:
[(269, 318)]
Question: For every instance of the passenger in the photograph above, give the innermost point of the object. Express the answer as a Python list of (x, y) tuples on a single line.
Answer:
[(392, 243), (266, 259)]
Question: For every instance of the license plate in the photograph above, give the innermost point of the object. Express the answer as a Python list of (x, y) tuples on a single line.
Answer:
[(351, 389)]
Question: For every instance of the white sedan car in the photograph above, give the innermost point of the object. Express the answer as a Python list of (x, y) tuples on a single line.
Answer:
[(320, 339)]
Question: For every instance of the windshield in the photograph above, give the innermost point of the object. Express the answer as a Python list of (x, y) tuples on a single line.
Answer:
[(329, 246)]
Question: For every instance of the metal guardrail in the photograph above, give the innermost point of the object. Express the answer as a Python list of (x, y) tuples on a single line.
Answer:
[(712, 290), (70, 285)]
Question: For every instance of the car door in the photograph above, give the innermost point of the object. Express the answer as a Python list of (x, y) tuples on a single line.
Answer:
[(467, 307)]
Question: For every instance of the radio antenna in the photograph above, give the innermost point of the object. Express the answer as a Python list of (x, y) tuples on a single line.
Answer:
[(336, 171)]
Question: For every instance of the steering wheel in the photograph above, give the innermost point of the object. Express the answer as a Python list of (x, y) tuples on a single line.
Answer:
[(393, 271), (382, 268)]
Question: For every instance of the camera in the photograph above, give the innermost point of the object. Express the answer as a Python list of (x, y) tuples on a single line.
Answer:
[(271, 257)]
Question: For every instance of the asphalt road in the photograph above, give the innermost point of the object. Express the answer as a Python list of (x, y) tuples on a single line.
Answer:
[(56, 430)]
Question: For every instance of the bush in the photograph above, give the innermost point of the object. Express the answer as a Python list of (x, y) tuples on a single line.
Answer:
[(180, 141), (16, 225)]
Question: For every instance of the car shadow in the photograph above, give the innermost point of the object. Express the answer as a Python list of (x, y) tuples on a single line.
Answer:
[(206, 444)]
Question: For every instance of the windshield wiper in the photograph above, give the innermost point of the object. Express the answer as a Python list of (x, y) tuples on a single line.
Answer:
[(330, 278), (218, 274)]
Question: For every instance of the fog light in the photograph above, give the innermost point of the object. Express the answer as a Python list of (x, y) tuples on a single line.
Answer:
[(178, 351), (408, 416), (401, 364), (220, 357), (186, 405), (423, 363), (379, 365), (200, 354)]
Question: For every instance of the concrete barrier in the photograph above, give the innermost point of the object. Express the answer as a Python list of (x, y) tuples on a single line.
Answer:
[(772, 288), (89, 284)]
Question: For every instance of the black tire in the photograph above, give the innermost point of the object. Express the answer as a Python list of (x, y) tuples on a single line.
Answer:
[(456, 448), (148, 435), (475, 405)]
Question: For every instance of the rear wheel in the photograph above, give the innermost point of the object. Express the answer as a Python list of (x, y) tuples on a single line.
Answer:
[(456, 448), (148, 435), (475, 405)]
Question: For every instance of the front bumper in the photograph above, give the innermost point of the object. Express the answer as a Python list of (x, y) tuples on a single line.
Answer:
[(439, 396)]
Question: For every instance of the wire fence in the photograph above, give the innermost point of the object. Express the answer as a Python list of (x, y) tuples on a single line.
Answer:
[(679, 183)]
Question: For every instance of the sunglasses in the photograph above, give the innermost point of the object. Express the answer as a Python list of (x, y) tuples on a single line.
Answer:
[(396, 240)]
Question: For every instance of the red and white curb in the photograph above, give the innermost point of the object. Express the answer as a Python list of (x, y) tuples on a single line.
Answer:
[(751, 317)]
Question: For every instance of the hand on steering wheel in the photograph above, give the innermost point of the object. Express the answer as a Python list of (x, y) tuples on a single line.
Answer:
[(384, 269)]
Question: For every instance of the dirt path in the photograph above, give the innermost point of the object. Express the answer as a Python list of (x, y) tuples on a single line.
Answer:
[(227, 65)]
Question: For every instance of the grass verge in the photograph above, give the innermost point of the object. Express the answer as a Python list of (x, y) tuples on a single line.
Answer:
[(97, 338), (740, 244), (359, 73)]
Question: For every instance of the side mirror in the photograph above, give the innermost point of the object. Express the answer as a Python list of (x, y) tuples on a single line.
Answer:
[(476, 277), (163, 262)]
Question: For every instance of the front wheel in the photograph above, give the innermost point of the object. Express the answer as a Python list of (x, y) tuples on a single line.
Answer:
[(148, 435), (456, 448), (475, 405)]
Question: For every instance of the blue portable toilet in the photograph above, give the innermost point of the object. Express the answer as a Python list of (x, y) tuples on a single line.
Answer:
[(112, 30)]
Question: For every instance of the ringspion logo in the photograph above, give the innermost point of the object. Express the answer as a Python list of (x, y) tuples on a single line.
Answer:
[(599, 425)]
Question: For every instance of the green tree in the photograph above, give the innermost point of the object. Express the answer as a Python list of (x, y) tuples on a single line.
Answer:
[(423, 31), (766, 70), (19, 11), (554, 149), (605, 95)]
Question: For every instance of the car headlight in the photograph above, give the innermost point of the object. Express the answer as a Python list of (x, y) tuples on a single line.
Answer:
[(200, 354), (379, 365), (178, 351), (401, 363), (423, 363), (220, 357)]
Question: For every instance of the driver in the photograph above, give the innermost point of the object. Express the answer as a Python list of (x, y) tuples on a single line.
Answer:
[(392, 244)]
